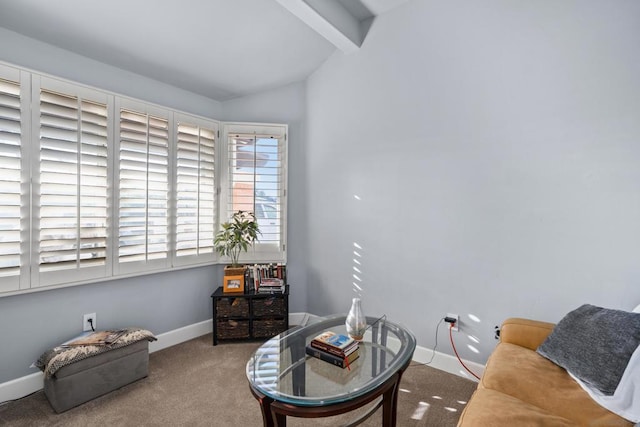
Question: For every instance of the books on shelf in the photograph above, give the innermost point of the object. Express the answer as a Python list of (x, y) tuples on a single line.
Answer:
[(267, 278), (337, 349), (342, 362)]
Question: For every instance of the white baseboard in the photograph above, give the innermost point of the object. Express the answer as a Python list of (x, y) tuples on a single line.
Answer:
[(28, 384), (20, 387), (447, 363), (180, 335)]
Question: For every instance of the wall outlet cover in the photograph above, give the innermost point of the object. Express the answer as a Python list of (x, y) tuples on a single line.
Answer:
[(86, 326), (456, 326)]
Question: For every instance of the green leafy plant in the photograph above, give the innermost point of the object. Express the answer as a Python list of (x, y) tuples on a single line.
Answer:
[(237, 235)]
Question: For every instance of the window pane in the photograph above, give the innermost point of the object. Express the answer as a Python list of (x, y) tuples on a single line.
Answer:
[(73, 182), (195, 185), (256, 182), (143, 187)]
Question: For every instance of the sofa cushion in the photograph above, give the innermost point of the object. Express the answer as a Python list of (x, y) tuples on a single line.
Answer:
[(496, 409), (529, 377), (594, 344), (525, 332)]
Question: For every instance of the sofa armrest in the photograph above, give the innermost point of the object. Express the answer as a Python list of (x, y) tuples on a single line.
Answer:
[(525, 332)]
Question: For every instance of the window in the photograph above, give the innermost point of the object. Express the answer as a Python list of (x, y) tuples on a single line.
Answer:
[(143, 188), (195, 189), (256, 182), (96, 186), (71, 184)]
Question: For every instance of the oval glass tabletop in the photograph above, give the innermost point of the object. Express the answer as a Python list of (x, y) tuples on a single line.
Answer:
[(281, 369)]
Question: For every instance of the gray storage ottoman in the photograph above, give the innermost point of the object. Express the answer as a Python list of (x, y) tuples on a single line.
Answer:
[(79, 381)]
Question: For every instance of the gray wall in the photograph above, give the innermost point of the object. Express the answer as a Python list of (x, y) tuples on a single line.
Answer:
[(494, 147)]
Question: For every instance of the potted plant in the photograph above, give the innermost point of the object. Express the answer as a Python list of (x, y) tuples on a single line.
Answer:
[(236, 235)]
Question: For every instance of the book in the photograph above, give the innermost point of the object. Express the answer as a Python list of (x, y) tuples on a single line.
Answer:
[(270, 290), (333, 350), (337, 344), (342, 362), (331, 372), (271, 282)]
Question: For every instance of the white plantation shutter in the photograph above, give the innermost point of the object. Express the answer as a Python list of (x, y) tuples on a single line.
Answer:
[(72, 202), (95, 186), (11, 200), (143, 209), (195, 190), (256, 183)]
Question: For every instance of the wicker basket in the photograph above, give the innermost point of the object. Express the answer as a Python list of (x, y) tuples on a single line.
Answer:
[(268, 327), (232, 307), (234, 271), (268, 306), (232, 329)]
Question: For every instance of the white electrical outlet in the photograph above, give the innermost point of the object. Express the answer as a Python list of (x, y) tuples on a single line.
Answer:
[(86, 326), (456, 326)]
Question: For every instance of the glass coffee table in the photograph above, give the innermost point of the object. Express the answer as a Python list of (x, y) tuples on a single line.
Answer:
[(288, 382)]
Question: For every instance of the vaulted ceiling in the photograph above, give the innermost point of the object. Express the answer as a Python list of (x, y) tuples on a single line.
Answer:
[(221, 49)]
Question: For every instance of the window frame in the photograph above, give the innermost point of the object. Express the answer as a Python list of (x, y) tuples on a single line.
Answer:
[(258, 253), (57, 277), (201, 123), (132, 267)]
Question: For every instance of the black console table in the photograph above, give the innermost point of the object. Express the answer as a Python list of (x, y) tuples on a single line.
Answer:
[(251, 315)]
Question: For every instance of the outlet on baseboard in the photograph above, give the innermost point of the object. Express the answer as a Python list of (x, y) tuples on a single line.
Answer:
[(86, 325), (456, 326)]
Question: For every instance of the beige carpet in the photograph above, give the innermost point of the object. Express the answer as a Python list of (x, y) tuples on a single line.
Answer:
[(197, 384)]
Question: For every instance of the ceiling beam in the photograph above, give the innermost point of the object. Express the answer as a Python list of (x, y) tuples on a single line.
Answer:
[(329, 19), (378, 7)]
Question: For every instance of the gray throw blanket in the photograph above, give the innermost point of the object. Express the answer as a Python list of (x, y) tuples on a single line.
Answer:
[(594, 344)]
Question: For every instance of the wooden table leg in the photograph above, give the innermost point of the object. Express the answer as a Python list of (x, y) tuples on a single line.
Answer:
[(268, 418), (279, 419), (390, 400), (390, 404)]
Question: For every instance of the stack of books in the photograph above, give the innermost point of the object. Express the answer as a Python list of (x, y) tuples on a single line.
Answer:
[(270, 286), (337, 349)]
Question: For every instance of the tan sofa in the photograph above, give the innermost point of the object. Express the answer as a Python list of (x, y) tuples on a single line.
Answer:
[(521, 388)]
